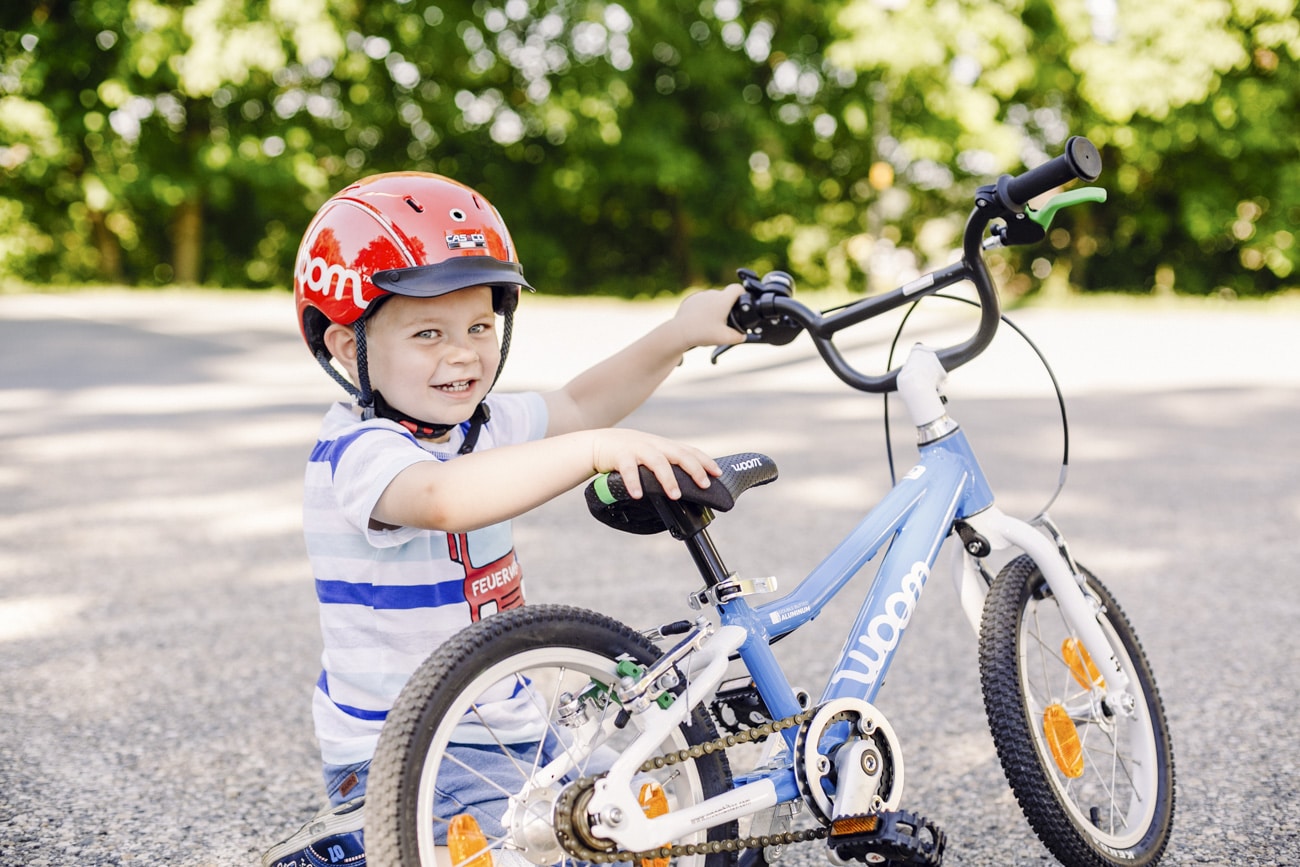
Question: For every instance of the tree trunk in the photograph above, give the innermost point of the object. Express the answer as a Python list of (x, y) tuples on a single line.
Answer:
[(110, 250), (680, 249), (187, 242)]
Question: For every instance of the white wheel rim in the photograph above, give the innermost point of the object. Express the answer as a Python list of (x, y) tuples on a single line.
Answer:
[(571, 665), (1121, 777)]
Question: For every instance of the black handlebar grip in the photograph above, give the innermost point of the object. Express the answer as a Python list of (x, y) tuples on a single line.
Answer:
[(1080, 160)]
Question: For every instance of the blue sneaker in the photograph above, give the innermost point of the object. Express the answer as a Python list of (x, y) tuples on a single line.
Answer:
[(332, 838)]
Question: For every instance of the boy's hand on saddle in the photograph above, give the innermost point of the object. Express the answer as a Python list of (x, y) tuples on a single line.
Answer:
[(623, 450)]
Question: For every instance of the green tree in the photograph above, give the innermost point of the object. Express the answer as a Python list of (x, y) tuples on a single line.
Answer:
[(617, 138), (145, 150), (1204, 132), (640, 146), (1192, 101)]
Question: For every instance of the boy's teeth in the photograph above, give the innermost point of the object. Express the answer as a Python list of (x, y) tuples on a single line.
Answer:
[(455, 386)]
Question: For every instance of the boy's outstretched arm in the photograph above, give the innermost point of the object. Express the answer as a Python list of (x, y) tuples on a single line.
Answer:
[(495, 485), (605, 393)]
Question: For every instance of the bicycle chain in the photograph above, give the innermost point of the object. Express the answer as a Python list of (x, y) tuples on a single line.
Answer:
[(572, 794)]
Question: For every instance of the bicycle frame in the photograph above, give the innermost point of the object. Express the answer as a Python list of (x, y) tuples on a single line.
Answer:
[(945, 486)]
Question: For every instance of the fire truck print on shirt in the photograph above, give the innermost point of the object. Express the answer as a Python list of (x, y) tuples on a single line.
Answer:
[(493, 579)]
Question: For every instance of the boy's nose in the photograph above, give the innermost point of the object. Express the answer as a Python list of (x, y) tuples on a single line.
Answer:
[(461, 352)]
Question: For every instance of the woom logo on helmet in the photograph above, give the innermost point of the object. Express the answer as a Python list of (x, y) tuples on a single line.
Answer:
[(317, 275)]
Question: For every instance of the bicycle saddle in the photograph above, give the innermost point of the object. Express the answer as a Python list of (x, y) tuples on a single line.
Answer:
[(609, 503)]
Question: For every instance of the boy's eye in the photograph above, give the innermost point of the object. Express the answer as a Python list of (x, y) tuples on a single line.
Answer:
[(428, 334), (479, 328)]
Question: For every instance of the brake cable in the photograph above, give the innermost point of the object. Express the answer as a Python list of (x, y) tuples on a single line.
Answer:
[(1060, 399)]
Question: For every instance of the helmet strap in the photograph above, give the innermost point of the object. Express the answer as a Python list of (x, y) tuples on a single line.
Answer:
[(365, 397), (507, 326), (323, 358), (373, 404), (428, 430)]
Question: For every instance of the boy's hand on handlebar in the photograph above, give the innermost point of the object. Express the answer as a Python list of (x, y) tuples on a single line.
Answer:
[(702, 318), (623, 451)]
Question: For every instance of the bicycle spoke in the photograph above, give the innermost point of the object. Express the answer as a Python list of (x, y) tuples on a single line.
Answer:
[(489, 781), (550, 726), (505, 752)]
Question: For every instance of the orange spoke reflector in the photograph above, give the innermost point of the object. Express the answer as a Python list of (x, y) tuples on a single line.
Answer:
[(654, 803), (466, 843), (1081, 664), (1063, 740), (854, 825)]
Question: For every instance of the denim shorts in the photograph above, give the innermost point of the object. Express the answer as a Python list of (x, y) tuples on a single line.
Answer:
[(345, 783)]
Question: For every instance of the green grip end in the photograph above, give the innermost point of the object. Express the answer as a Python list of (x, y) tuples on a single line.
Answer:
[(1043, 216), (601, 485)]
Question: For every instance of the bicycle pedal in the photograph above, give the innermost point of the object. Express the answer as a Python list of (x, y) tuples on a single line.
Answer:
[(740, 708), (890, 838)]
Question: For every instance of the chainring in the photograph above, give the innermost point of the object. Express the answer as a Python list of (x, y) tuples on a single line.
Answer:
[(812, 767)]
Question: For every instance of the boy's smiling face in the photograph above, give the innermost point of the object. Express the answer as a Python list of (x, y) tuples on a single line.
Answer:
[(434, 359)]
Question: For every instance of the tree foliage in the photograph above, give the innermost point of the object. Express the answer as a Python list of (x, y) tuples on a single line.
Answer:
[(645, 145)]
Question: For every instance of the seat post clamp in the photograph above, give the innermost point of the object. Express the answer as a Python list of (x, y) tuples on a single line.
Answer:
[(725, 591)]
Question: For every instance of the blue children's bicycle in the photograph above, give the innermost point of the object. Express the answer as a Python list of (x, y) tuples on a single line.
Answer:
[(551, 735)]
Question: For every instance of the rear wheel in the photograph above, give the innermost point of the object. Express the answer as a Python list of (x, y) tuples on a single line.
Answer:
[(1095, 782), (503, 698)]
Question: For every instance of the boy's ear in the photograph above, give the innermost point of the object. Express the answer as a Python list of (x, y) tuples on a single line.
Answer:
[(341, 341)]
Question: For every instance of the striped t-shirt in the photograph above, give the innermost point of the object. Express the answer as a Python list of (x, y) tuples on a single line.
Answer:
[(389, 597)]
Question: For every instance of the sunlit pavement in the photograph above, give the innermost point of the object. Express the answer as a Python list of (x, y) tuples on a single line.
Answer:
[(158, 628)]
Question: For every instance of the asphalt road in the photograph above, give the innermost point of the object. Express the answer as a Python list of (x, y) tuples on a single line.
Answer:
[(158, 638)]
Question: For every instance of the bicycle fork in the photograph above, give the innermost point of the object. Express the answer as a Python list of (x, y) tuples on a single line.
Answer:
[(1002, 531)]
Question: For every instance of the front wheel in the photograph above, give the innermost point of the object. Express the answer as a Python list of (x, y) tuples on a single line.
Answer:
[(478, 723), (1095, 782)]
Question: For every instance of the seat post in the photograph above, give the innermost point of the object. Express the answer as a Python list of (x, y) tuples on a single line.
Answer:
[(706, 557)]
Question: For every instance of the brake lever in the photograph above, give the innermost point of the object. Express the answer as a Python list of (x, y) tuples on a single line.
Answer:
[(718, 350), (1044, 215), (744, 316), (1031, 226)]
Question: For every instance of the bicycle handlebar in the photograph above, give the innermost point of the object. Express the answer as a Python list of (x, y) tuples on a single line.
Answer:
[(1080, 160), (768, 313)]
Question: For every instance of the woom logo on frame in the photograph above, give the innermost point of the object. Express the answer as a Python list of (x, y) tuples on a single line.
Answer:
[(882, 633)]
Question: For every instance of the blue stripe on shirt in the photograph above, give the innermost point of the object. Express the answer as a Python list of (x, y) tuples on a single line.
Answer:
[(331, 451), (360, 713), (388, 596)]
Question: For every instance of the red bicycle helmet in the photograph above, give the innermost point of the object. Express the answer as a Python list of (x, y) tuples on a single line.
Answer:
[(401, 233)]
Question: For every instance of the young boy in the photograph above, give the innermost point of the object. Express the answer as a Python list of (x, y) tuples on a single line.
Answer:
[(401, 280)]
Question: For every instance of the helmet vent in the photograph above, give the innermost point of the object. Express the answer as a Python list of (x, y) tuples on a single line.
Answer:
[(458, 215), (415, 206)]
